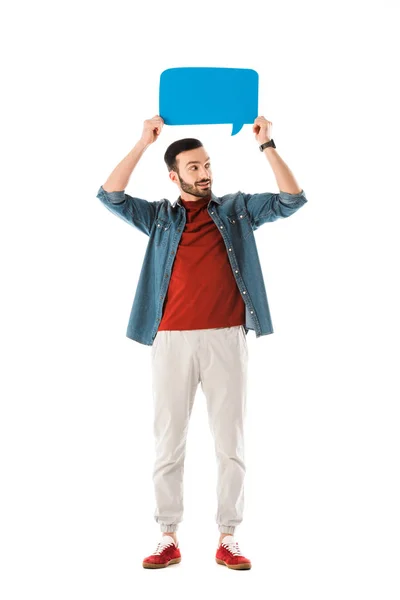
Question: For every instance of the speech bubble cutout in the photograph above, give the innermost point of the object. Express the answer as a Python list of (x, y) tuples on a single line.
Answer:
[(209, 95)]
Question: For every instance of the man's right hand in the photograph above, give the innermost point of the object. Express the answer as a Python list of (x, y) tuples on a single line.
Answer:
[(152, 129)]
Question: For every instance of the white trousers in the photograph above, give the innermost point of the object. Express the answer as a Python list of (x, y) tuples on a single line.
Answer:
[(217, 358)]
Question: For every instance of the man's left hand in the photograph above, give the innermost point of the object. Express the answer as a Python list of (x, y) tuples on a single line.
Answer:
[(262, 129)]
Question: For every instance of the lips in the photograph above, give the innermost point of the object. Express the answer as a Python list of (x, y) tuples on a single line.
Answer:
[(203, 184)]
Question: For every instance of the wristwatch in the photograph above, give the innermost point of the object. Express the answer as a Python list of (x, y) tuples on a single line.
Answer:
[(267, 144)]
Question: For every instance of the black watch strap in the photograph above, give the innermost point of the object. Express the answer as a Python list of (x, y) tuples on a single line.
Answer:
[(267, 145)]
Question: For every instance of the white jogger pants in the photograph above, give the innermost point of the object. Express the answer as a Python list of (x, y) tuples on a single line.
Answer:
[(217, 358)]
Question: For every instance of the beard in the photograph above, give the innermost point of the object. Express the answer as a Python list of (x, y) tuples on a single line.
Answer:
[(195, 190)]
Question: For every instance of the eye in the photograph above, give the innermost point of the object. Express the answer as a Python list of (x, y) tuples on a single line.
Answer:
[(196, 167)]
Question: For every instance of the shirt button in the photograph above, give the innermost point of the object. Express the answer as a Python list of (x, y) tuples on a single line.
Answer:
[(158, 225), (244, 291), (241, 216), (230, 249), (236, 271), (251, 312), (221, 227)]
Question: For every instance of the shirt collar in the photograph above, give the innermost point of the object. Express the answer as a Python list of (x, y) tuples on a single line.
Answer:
[(213, 197)]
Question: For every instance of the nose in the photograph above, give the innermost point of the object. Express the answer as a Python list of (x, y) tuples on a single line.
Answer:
[(205, 176)]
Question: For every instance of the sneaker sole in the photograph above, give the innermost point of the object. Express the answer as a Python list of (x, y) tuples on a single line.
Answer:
[(241, 567), (161, 566)]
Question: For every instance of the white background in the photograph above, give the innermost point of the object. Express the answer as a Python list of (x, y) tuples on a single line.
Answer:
[(322, 432)]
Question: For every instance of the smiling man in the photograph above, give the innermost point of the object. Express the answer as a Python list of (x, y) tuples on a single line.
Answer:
[(200, 290), (195, 165)]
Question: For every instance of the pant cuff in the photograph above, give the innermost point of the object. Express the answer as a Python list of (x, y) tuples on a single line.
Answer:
[(168, 528), (226, 529)]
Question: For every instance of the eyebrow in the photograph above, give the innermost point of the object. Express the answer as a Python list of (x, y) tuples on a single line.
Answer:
[(196, 161)]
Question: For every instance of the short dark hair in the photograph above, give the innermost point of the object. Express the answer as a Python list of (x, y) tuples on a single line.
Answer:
[(176, 148)]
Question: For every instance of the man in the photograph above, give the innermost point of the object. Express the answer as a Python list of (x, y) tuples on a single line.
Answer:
[(199, 292)]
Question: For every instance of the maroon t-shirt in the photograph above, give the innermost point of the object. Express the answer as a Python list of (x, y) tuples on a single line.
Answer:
[(202, 292)]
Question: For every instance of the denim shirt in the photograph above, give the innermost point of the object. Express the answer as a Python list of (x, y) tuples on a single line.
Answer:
[(236, 215)]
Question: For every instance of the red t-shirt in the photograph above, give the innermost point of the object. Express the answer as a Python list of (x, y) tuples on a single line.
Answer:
[(202, 292)]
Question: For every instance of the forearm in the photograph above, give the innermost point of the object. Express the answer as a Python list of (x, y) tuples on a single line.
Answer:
[(119, 178), (284, 176)]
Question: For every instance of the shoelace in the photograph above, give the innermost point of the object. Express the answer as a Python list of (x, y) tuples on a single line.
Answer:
[(161, 547), (232, 547)]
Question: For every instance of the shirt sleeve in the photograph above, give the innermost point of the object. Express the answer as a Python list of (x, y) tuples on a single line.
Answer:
[(265, 207), (139, 213)]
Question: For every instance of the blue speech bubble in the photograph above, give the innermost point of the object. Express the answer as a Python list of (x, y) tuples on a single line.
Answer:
[(209, 95)]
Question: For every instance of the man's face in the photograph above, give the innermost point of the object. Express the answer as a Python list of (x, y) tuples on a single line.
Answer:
[(194, 168)]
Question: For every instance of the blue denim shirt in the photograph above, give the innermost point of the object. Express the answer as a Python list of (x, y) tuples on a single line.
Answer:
[(236, 215)]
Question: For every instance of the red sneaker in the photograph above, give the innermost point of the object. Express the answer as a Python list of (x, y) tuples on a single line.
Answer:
[(167, 553), (228, 554)]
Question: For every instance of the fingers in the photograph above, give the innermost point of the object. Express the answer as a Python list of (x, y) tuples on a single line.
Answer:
[(262, 121), (158, 123)]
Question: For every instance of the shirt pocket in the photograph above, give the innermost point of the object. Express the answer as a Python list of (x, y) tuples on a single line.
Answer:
[(161, 233), (240, 223)]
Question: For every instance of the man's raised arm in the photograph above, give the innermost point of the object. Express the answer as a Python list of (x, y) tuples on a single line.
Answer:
[(136, 211)]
